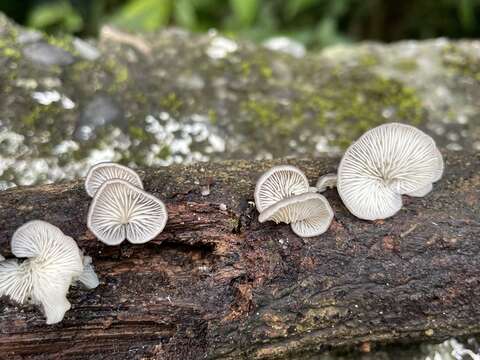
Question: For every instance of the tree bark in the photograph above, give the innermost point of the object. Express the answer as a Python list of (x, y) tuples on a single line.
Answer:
[(217, 284)]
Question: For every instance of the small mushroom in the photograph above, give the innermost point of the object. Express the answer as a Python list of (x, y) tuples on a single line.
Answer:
[(385, 163), (1, 258), (120, 210), (328, 181), (309, 214), (88, 277), (102, 172), (53, 261), (278, 183)]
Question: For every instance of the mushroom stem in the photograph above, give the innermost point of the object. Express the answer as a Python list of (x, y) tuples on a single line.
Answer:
[(328, 181)]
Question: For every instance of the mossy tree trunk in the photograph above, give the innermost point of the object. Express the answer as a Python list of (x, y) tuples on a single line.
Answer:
[(218, 284)]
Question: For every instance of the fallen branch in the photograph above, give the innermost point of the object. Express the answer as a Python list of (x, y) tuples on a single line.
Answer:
[(218, 284)]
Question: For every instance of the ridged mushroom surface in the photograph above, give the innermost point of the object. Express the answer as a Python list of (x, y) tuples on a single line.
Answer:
[(53, 260), (15, 281), (122, 211), (278, 183), (102, 172), (385, 163), (309, 214), (327, 181)]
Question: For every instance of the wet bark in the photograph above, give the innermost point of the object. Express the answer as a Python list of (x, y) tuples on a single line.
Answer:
[(217, 284)]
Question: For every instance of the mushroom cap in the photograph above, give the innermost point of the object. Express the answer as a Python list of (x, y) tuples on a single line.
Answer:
[(102, 172), (383, 164), (326, 181), (422, 191), (88, 277), (1, 258), (278, 183), (53, 261), (48, 247), (309, 214), (440, 164), (122, 211), (15, 280), (52, 298)]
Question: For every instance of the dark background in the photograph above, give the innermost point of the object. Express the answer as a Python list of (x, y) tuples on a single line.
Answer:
[(316, 23)]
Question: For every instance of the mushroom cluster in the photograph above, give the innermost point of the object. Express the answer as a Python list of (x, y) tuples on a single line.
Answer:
[(283, 194), (52, 263), (120, 208), (385, 163)]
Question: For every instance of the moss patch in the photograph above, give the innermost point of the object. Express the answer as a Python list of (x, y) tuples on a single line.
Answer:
[(343, 106), (461, 62)]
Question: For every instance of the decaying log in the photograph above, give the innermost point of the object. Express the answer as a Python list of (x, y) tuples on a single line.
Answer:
[(217, 284)]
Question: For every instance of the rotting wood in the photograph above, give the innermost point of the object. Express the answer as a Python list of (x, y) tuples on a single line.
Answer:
[(217, 284)]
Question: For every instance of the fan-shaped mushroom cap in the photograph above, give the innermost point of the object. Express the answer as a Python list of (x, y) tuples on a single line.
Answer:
[(53, 261), (278, 183), (122, 211), (15, 280), (384, 163), (422, 191), (309, 214), (88, 277), (326, 181), (102, 172), (1, 258)]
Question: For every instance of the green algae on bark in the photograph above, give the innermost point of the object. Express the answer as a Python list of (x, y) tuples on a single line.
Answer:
[(178, 97)]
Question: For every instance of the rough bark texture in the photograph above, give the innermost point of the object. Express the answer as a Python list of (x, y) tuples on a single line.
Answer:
[(217, 284)]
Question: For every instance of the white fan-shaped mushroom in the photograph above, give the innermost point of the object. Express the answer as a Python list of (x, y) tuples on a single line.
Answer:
[(122, 211), (385, 163), (309, 214), (327, 181), (102, 172), (48, 247), (278, 183), (53, 261), (1, 258)]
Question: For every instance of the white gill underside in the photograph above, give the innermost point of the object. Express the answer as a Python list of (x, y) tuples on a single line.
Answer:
[(124, 212), (104, 172), (309, 214), (53, 260), (383, 164), (279, 183)]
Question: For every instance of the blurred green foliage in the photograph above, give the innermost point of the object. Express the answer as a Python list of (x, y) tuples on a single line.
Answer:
[(316, 23)]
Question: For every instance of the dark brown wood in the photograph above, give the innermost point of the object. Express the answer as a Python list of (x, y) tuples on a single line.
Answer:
[(217, 284)]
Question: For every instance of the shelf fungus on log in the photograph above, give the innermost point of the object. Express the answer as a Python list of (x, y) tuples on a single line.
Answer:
[(217, 284)]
